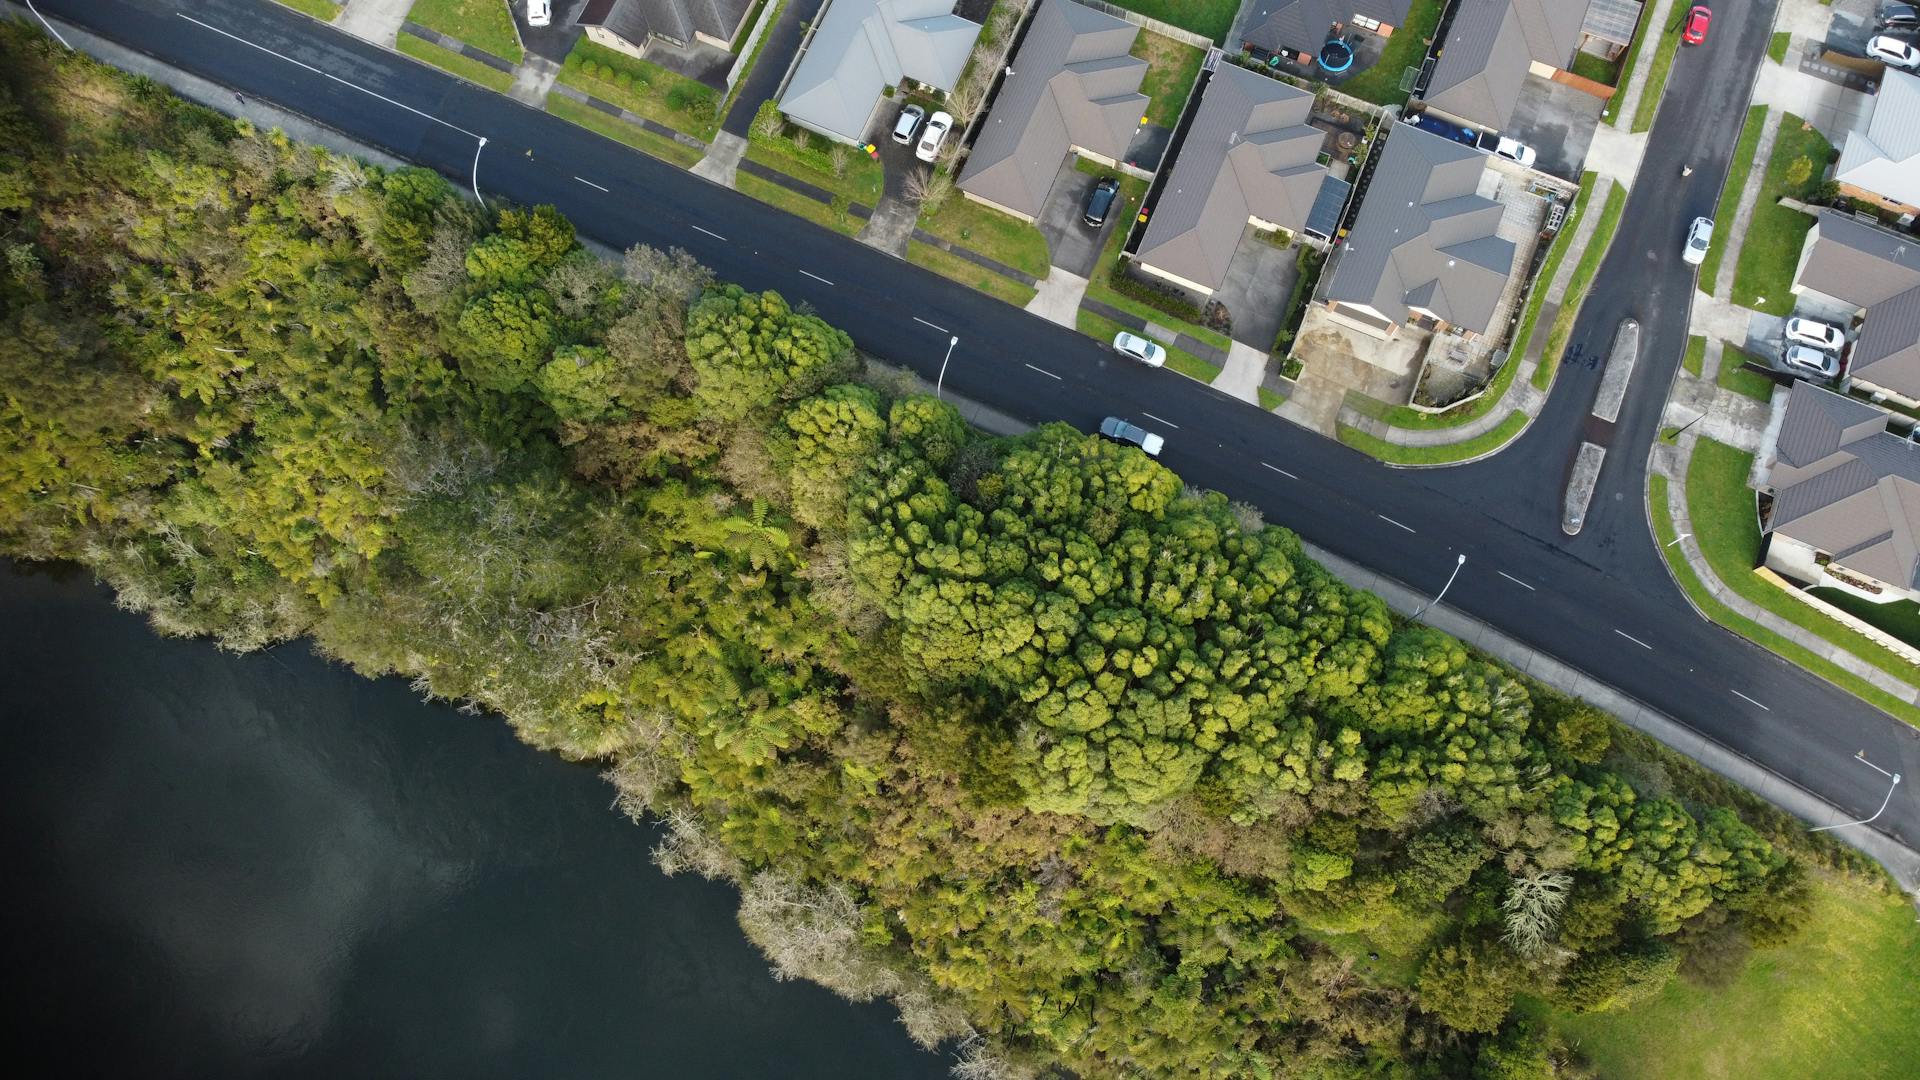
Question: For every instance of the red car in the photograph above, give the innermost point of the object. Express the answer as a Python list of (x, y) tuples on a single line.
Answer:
[(1695, 32)]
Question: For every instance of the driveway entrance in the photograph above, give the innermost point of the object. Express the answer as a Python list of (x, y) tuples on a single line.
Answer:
[(1072, 246)]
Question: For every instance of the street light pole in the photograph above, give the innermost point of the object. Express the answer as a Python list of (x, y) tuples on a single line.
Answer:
[(1861, 757), (1458, 563), (942, 381), (476, 171), (48, 25)]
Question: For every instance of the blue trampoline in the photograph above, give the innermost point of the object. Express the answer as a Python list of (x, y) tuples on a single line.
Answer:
[(1336, 56)]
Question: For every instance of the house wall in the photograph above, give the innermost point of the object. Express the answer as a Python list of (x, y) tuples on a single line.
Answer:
[(1003, 209), (1363, 318), (1877, 199), (1895, 395), (1175, 278), (718, 43), (603, 36)]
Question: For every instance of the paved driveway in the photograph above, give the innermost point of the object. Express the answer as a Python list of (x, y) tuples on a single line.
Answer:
[(1073, 247), (1557, 121), (556, 39)]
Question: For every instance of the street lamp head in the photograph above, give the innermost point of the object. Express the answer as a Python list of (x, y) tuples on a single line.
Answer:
[(952, 341), (1462, 561)]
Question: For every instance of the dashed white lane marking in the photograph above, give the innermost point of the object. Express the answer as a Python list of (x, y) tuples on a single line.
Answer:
[(1280, 470), (1516, 580), (1633, 639), (1162, 419), (1396, 524), (335, 78), (1041, 370), (709, 232), (1749, 700), (817, 278), (924, 322), (589, 183)]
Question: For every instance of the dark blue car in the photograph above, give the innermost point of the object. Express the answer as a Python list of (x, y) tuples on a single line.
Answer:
[(1430, 122)]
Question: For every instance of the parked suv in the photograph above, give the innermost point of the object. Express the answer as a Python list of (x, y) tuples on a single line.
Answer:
[(1816, 333), (905, 128), (1893, 52), (1132, 434), (1100, 202), (1810, 363)]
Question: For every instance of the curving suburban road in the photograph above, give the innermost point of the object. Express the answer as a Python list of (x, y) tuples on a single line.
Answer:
[(1602, 603)]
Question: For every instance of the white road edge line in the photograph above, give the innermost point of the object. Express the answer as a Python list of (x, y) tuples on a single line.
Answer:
[(1042, 371), (1749, 700), (1280, 470), (1636, 640), (709, 232), (924, 322), (1396, 524), (317, 71), (817, 278), (589, 183), (1162, 419), (1516, 580)]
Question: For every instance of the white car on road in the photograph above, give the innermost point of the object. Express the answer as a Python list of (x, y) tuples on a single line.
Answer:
[(1135, 347), (937, 126), (1699, 238), (1816, 333), (1893, 52)]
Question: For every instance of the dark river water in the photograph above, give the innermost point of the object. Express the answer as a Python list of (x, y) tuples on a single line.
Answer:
[(266, 865)]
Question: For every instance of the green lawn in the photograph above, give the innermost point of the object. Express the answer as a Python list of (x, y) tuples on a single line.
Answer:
[(1171, 69), (1690, 584), (644, 89), (1588, 66), (1839, 1002), (968, 274), (620, 131), (834, 217), (1664, 52), (1395, 454), (1103, 329), (1577, 283), (1723, 215), (1271, 400), (1901, 618), (1380, 83), (445, 59), (1764, 277), (998, 236), (1733, 376), (1695, 361), (485, 24), (324, 10), (1212, 18), (1777, 48)]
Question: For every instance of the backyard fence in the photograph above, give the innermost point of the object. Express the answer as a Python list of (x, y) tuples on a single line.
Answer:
[(741, 61), (1187, 37)]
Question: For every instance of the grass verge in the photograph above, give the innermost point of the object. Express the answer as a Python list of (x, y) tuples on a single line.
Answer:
[(447, 60), (620, 131), (1735, 377), (1695, 360), (1451, 453), (1271, 400), (644, 89), (324, 10), (484, 24), (1102, 329), (1777, 48), (1763, 279), (1407, 47), (1665, 50), (998, 236), (1837, 1002), (1577, 283), (973, 277), (1723, 215), (834, 217), (1171, 69)]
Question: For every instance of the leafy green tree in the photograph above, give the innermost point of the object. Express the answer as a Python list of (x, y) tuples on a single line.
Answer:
[(750, 350), (834, 435), (1608, 981), (506, 335), (1469, 984)]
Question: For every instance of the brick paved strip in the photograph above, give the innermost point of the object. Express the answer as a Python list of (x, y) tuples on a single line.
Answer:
[(452, 44)]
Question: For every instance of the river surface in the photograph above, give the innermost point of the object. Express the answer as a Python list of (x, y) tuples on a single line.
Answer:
[(266, 865)]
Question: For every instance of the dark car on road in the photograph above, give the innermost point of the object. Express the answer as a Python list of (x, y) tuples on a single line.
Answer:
[(1100, 201), (1431, 123)]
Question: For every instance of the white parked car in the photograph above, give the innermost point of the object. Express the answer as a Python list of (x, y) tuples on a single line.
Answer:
[(1514, 150), (1816, 333), (1135, 347), (539, 12), (1893, 52), (1811, 363), (1699, 238), (930, 140)]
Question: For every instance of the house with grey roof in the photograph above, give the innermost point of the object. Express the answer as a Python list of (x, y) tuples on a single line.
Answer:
[(626, 25), (1073, 88), (1423, 246), (1845, 510), (1880, 163), (1849, 263), (1299, 27), (861, 47), (1491, 48), (1249, 159)]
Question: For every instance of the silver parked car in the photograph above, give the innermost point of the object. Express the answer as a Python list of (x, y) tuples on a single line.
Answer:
[(1815, 333), (1699, 238), (905, 128), (1810, 363), (1135, 347)]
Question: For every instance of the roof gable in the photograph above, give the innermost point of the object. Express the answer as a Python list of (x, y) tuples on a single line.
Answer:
[(1844, 485), (1884, 156)]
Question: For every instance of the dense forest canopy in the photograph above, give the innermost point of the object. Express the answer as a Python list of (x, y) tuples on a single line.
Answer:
[(1083, 769)]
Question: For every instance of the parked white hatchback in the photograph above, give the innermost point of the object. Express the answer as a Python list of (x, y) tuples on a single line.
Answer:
[(1893, 52), (539, 12), (1135, 347), (1816, 333), (1699, 238), (937, 126)]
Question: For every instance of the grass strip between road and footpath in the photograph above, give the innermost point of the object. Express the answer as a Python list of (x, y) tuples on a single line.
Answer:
[(1271, 399), (1577, 283), (1695, 360), (1777, 48), (447, 60), (620, 131), (1829, 1003), (324, 10), (1734, 376), (483, 24), (1103, 329), (1407, 48), (834, 216), (1763, 278), (1730, 543), (1172, 67), (1665, 50), (1447, 454), (643, 89), (972, 275), (1723, 215)]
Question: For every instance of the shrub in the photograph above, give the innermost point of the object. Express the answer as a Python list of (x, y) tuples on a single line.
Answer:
[(1469, 985), (1158, 297)]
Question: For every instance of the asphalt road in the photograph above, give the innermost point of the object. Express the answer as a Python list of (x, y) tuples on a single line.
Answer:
[(1603, 604)]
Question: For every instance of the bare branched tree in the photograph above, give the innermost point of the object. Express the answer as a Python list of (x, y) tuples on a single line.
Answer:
[(1532, 908), (981, 1060), (839, 158), (813, 932), (768, 124), (689, 845), (931, 189)]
